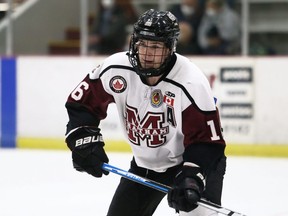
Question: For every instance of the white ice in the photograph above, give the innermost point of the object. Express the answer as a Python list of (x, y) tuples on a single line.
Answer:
[(43, 183)]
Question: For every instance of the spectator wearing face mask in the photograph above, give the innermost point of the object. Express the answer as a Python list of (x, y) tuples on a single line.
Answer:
[(218, 15), (189, 14), (111, 27)]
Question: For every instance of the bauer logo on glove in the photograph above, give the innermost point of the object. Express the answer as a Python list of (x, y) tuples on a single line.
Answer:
[(89, 139)]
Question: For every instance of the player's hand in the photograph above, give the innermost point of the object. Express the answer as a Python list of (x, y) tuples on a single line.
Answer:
[(87, 149), (187, 189)]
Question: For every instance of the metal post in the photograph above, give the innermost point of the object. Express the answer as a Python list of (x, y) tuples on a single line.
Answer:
[(84, 27), (9, 29), (245, 27)]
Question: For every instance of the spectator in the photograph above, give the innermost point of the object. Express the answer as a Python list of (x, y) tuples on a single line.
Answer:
[(227, 23), (189, 14), (216, 45), (110, 30)]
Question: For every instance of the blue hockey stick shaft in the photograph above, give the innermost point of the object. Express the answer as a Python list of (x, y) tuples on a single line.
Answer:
[(164, 188), (141, 180)]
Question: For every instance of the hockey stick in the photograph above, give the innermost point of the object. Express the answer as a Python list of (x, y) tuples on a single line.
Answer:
[(164, 188)]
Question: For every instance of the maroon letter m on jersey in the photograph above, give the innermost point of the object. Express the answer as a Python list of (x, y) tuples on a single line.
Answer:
[(149, 129)]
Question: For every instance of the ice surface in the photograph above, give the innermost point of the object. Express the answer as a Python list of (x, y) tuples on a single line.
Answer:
[(43, 183)]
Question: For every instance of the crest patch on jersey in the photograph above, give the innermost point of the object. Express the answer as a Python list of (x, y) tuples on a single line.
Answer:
[(118, 84), (156, 98)]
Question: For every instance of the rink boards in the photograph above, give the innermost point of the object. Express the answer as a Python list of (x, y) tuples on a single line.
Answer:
[(251, 95)]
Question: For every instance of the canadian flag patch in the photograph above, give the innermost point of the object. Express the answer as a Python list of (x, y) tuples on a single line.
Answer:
[(168, 100)]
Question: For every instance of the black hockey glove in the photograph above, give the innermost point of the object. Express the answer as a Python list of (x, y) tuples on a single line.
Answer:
[(187, 189), (87, 149)]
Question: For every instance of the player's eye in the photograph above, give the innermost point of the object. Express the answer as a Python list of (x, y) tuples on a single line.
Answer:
[(142, 44), (155, 46)]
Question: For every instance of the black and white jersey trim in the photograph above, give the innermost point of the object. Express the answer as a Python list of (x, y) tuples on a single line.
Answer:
[(186, 93), (118, 67)]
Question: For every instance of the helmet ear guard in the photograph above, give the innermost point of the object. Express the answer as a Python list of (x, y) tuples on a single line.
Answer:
[(154, 25)]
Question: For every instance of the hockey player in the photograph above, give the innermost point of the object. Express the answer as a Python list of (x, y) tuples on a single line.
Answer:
[(168, 115)]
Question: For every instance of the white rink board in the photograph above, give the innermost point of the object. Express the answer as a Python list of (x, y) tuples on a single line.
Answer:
[(43, 85)]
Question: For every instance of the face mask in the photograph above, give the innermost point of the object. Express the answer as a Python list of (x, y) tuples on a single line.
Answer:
[(107, 3), (186, 10), (210, 12)]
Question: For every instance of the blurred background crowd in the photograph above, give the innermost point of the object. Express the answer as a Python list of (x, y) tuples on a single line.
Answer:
[(207, 27)]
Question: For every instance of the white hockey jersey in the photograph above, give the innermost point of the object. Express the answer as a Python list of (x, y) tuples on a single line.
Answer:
[(159, 121)]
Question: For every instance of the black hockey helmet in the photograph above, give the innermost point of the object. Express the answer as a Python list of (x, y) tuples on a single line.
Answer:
[(155, 26)]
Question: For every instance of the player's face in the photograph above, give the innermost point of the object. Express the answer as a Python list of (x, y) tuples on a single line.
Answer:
[(152, 53)]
